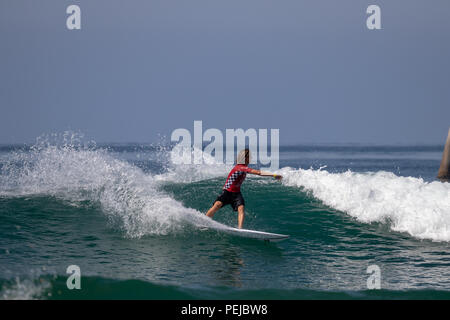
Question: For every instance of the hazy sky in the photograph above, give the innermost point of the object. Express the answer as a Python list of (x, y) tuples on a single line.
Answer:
[(312, 69)]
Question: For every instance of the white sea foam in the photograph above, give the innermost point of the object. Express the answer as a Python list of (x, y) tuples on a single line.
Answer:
[(77, 173), (24, 290), (126, 194), (409, 204), (181, 169)]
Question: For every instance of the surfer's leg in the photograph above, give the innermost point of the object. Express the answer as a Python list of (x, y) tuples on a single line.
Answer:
[(241, 216), (216, 206)]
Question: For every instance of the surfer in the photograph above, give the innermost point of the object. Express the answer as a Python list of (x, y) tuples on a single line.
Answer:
[(231, 193)]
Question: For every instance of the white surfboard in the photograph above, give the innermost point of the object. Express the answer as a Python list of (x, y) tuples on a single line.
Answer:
[(254, 234), (246, 233)]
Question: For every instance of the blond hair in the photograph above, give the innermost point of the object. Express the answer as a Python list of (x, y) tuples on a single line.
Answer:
[(243, 156)]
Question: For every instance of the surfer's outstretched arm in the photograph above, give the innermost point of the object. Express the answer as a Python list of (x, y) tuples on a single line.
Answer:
[(266, 174)]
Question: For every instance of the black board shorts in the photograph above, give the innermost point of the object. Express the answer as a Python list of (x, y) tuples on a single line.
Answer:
[(234, 198)]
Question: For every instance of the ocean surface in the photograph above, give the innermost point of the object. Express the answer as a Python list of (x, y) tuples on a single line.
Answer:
[(130, 218)]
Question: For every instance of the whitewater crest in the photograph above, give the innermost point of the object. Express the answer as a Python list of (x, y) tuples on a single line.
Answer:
[(409, 204), (24, 289), (77, 172), (180, 169), (64, 167)]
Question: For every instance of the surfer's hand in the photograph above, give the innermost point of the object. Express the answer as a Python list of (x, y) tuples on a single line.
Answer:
[(277, 176)]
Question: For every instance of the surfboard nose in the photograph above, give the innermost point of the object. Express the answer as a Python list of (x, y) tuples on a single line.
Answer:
[(444, 170)]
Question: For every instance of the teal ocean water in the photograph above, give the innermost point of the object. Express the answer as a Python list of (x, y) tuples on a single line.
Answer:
[(130, 218)]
